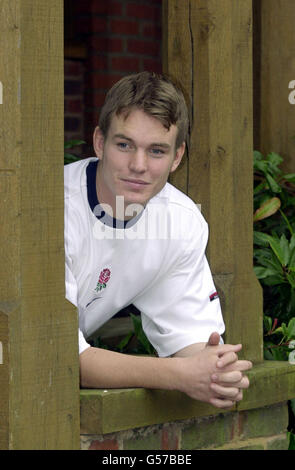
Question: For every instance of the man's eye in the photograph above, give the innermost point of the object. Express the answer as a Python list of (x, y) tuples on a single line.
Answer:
[(157, 152), (123, 145)]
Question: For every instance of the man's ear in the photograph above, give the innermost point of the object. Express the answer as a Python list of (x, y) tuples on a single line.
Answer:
[(178, 157), (98, 142)]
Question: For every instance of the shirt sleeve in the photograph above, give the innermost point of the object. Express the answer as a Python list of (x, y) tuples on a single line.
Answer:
[(71, 295), (82, 342), (183, 307)]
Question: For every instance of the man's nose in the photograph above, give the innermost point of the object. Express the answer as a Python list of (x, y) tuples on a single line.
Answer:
[(138, 161)]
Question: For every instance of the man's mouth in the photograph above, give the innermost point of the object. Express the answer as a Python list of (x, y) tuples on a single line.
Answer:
[(135, 182)]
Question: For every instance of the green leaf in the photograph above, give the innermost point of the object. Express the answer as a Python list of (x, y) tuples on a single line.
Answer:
[(274, 268), (262, 239), (290, 177), (291, 329), (292, 242), (291, 437), (278, 330), (125, 341), (285, 329), (257, 156), (267, 323), (274, 186), (262, 272), (291, 263), (69, 158), (260, 187), (139, 333), (274, 160), (262, 166), (278, 250), (73, 143), (273, 280), (291, 279), (267, 209), (285, 249)]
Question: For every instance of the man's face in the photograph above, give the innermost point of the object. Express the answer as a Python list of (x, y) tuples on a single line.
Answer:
[(136, 158)]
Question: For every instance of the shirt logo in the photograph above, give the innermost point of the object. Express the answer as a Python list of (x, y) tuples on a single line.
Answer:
[(103, 279), (213, 296)]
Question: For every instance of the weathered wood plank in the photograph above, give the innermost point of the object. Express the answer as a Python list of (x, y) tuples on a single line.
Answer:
[(107, 411), (176, 37), (39, 393), (214, 64), (277, 70)]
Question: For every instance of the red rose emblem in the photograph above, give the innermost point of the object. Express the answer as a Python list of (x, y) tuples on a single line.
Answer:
[(104, 276)]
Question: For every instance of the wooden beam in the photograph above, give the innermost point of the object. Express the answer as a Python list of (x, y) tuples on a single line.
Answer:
[(208, 48), (39, 374), (276, 50)]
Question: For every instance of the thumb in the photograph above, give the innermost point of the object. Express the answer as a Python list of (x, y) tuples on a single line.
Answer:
[(214, 339)]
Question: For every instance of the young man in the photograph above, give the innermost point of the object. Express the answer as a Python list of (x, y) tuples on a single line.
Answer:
[(132, 238)]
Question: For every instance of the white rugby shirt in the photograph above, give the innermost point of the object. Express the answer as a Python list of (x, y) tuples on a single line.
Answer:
[(157, 263)]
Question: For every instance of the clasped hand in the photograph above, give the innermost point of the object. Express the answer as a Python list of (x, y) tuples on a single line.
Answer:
[(215, 374), (228, 381)]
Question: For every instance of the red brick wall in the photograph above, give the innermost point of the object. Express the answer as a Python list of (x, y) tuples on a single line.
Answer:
[(74, 102), (122, 37)]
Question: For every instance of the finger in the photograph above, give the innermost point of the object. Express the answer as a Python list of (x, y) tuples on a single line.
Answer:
[(226, 359), (240, 365), (239, 397), (227, 377), (225, 392), (220, 403), (214, 339), (222, 349), (242, 384)]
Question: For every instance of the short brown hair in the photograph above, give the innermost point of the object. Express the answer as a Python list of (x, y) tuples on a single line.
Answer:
[(154, 94)]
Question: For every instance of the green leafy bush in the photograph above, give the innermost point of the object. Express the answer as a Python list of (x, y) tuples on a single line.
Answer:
[(274, 244), (69, 157), (274, 260)]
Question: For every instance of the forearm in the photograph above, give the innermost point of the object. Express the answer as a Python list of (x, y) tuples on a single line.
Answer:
[(190, 350), (100, 368)]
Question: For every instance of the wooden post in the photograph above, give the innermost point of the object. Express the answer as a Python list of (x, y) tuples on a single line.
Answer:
[(39, 374), (275, 54), (208, 49)]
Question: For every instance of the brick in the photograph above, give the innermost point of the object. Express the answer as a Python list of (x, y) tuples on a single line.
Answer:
[(106, 7), (213, 431), (74, 106), (99, 62), (72, 124), (147, 12), (124, 27), (170, 438), (72, 87), (152, 65), (95, 99), (152, 31), (106, 444), (152, 441), (266, 421), (101, 80), (91, 120), (83, 26), (73, 68), (107, 44), (98, 25), (149, 48), (125, 64), (83, 7)]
